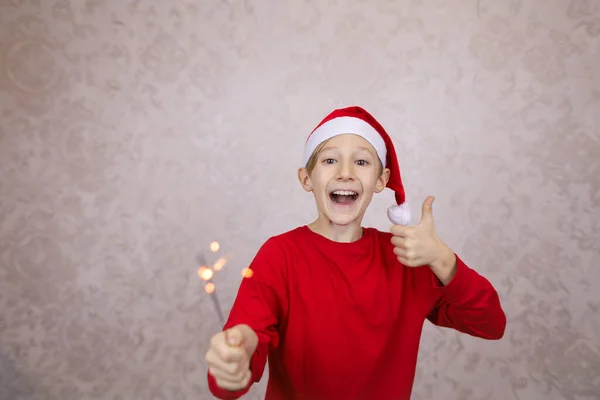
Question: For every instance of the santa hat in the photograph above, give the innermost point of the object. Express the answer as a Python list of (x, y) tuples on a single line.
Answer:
[(356, 120)]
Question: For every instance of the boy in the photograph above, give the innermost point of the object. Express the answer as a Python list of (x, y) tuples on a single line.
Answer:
[(338, 308)]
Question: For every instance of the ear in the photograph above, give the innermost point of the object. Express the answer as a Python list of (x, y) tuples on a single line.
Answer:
[(382, 180), (304, 179)]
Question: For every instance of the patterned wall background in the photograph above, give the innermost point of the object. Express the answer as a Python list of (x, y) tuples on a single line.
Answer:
[(135, 132)]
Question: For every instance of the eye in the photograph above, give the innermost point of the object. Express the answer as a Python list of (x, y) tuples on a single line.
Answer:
[(329, 161), (362, 162)]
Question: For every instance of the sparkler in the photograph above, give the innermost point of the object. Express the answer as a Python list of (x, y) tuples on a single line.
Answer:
[(207, 273)]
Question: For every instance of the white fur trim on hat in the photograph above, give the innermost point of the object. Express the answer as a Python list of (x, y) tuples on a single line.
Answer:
[(345, 125), (399, 215)]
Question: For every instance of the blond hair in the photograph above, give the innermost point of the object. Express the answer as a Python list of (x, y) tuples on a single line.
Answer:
[(312, 161)]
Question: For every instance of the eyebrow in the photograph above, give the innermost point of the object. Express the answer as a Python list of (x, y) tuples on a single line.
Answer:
[(329, 148), (337, 148)]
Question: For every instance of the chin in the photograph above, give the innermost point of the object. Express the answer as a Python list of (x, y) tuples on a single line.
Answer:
[(343, 220), (344, 215)]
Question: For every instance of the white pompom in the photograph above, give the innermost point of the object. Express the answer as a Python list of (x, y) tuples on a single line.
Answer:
[(399, 215)]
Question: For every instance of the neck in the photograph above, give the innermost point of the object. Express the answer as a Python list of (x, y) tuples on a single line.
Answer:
[(338, 233)]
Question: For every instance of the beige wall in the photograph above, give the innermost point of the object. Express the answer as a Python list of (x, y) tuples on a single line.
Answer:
[(134, 133)]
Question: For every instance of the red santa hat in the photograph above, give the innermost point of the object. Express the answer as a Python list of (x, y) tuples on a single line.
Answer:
[(355, 120)]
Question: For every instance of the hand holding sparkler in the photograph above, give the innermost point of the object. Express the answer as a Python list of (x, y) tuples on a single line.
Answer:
[(229, 355)]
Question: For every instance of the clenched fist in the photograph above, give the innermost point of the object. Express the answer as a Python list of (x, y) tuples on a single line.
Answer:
[(229, 355)]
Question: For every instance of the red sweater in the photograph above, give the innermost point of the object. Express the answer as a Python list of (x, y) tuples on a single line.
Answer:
[(344, 320)]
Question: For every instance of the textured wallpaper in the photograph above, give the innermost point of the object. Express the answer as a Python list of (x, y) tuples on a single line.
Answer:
[(133, 133)]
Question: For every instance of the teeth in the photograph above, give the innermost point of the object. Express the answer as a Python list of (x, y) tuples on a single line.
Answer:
[(345, 193)]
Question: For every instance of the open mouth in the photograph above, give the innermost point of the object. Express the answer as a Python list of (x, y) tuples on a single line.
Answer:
[(343, 197)]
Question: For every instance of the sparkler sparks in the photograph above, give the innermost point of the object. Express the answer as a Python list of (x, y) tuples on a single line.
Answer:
[(206, 273)]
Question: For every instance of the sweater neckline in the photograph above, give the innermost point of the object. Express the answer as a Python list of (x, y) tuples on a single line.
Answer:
[(357, 245)]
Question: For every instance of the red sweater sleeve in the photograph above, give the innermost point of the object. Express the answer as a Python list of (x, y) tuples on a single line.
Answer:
[(260, 302), (469, 304)]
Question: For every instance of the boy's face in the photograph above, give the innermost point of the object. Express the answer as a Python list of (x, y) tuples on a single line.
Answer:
[(345, 176)]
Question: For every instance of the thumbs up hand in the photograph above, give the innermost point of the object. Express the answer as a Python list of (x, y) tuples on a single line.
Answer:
[(229, 355), (419, 245)]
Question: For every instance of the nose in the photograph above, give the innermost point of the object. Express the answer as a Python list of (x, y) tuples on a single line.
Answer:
[(345, 171)]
